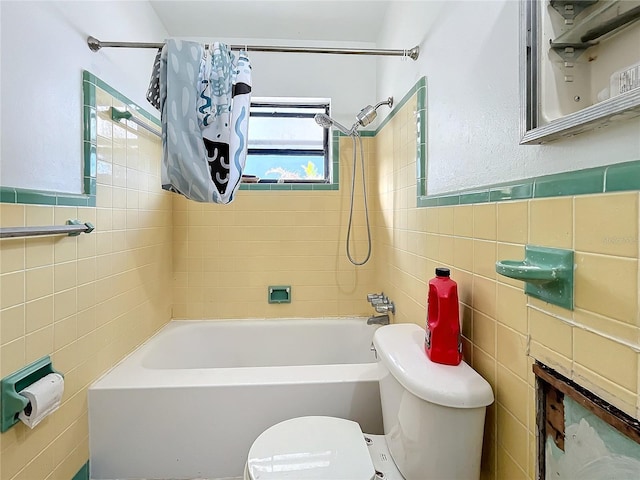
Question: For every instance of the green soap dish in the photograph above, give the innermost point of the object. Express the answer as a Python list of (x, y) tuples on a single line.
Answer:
[(547, 273), (279, 294), (528, 273)]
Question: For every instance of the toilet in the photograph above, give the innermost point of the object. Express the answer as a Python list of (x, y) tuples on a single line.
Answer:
[(433, 418)]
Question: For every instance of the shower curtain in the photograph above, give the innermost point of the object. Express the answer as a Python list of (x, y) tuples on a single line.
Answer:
[(205, 94)]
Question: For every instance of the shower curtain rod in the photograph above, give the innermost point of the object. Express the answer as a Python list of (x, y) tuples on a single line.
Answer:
[(412, 53)]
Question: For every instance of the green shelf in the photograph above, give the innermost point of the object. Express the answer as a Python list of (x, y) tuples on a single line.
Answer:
[(547, 273)]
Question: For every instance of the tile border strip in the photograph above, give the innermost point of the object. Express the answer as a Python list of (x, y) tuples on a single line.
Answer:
[(619, 177), (613, 178), (83, 473), (89, 144)]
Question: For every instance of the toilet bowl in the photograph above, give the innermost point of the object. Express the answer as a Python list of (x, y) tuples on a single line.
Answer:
[(306, 448), (433, 425)]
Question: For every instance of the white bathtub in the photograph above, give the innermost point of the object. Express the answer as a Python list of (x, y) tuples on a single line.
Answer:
[(191, 400)]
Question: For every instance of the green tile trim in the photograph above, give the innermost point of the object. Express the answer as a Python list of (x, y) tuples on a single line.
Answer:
[(88, 77), (8, 195), (255, 186), (579, 182), (89, 135), (43, 197), (280, 187), (89, 124), (420, 84), (622, 177), (90, 160), (449, 200), (427, 201), (335, 161), (90, 184), (421, 172), (326, 186), (511, 192), (474, 197), (613, 178), (83, 473), (89, 96), (420, 90), (76, 200), (36, 197)]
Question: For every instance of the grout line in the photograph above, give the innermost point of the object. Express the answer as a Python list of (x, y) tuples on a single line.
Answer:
[(572, 323)]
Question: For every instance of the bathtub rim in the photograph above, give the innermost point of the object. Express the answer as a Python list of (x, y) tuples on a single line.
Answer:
[(129, 373)]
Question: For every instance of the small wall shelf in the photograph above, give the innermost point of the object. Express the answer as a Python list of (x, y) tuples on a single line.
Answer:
[(547, 273), (279, 294)]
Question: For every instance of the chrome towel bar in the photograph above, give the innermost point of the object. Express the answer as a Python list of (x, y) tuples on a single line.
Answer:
[(117, 115), (72, 228)]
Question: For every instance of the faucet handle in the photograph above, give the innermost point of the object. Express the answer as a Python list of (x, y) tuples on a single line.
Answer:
[(385, 307), (384, 300), (371, 296)]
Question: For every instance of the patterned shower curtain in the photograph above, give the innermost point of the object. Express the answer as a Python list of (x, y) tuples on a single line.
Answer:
[(205, 94)]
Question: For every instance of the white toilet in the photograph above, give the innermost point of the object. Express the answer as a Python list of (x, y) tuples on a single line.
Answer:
[(433, 425)]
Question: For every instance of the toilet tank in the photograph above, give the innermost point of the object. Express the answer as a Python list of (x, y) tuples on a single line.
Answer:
[(433, 414)]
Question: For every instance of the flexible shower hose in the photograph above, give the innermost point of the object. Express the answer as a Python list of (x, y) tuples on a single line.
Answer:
[(353, 136)]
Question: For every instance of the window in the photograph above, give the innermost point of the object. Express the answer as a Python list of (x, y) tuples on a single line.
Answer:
[(285, 142)]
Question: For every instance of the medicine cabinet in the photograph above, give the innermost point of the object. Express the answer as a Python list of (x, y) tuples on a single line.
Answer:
[(580, 66)]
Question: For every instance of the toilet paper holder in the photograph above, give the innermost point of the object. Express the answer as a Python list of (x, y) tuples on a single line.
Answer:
[(11, 402)]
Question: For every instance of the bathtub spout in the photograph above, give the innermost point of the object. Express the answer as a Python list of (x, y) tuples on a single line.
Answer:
[(378, 320)]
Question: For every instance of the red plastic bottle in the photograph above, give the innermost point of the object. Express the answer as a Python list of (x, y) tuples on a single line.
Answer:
[(443, 342)]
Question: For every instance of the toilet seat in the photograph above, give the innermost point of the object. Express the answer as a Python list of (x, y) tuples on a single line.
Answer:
[(311, 448)]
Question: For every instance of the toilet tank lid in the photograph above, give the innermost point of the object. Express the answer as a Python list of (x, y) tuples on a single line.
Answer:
[(400, 348)]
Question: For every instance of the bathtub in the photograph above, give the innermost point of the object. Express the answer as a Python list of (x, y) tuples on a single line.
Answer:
[(190, 401)]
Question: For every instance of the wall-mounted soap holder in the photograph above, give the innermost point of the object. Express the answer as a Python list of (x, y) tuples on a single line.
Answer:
[(279, 294), (11, 402), (547, 273)]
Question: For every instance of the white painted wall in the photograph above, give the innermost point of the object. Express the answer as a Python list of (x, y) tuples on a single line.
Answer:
[(43, 54), (469, 54), (44, 51)]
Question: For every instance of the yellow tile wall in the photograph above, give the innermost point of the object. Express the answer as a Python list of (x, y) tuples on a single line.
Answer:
[(225, 257), (596, 345), (86, 301)]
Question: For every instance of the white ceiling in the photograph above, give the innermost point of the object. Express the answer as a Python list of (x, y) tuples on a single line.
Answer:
[(323, 20)]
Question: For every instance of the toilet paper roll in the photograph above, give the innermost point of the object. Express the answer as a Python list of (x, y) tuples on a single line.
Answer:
[(44, 398)]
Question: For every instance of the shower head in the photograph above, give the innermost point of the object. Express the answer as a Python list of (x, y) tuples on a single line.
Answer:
[(368, 114), (325, 121)]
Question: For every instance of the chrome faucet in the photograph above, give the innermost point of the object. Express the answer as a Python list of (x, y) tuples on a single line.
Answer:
[(378, 320), (381, 303)]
